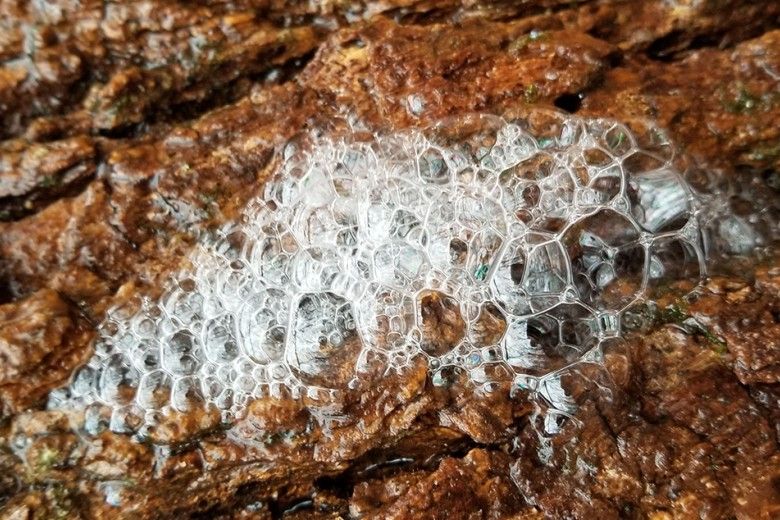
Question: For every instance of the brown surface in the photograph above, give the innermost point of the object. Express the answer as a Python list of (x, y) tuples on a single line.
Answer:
[(132, 128)]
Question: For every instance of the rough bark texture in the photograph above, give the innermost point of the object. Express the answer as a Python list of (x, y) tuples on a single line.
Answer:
[(130, 128)]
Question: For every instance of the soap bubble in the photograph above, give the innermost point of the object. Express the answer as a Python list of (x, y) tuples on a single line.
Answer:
[(494, 250)]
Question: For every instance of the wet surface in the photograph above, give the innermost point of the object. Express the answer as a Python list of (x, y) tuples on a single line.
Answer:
[(134, 132)]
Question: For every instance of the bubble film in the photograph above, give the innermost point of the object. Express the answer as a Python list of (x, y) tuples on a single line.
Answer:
[(506, 251)]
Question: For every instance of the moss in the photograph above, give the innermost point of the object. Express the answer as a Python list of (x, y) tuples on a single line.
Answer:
[(717, 344), (212, 196), (61, 499), (281, 436), (517, 45), (739, 99), (146, 227), (677, 313), (39, 152), (47, 459), (50, 181), (93, 104), (117, 112), (531, 93), (768, 152), (120, 104), (616, 140)]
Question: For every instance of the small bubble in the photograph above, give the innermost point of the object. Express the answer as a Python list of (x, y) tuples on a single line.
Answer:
[(416, 104)]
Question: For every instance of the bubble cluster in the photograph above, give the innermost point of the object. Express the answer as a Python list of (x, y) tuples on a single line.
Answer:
[(498, 250)]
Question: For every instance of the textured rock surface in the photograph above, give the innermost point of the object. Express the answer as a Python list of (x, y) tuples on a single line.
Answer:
[(132, 129)]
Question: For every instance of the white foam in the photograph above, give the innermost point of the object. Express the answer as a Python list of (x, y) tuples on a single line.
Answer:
[(519, 251)]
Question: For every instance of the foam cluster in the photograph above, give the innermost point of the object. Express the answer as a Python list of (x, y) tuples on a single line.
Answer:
[(498, 252)]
